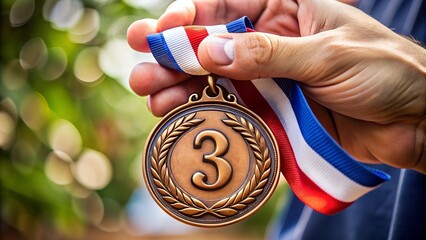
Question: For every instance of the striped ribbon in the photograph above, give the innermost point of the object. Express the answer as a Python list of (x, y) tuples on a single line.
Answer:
[(317, 169)]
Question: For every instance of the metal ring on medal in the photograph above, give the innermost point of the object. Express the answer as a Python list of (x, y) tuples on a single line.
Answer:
[(211, 162)]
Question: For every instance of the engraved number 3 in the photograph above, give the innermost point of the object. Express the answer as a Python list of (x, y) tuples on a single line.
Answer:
[(223, 168)]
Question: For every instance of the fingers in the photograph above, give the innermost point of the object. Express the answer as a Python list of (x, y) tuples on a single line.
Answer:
[(187, 12), (256, 55), (167, 89), (149, 78), (137, 32), (168, 99), (179, 13)]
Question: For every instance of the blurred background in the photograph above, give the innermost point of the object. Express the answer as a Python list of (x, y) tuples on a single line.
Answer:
[(72, 133)]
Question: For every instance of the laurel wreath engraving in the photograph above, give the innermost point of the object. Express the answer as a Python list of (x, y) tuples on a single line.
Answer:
[(194, 207)]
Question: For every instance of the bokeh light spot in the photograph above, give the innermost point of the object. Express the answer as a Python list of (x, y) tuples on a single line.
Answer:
[(24, 156), (117, 60), (7, 130), (9, 106), (8, 122), (35, 111), (93, 170), (87, 28), (118, 28), (14, 76), (65, 137), (21, 12), (33, 53), (92, 206), (56, 64), (155, 7), (86, 66), (58, 168), (66, 13), (113, 217), (95, 209)]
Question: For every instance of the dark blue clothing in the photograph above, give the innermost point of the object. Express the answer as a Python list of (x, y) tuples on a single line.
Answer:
[(406, 17), (397, 209)]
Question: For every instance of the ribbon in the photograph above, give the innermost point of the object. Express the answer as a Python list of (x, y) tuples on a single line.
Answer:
[(320, 173)]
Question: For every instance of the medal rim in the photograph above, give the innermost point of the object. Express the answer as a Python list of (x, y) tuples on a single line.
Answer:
[(199, 103)]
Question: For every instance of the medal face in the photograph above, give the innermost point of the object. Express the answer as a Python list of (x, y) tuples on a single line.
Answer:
[(211, 162)]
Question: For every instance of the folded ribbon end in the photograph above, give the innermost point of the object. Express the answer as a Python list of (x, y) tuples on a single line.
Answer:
[(177, 48)]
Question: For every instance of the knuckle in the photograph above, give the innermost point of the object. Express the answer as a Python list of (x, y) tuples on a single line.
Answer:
[(259, 46)]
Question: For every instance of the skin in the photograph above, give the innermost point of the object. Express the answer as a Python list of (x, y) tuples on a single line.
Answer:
[(365, 84)]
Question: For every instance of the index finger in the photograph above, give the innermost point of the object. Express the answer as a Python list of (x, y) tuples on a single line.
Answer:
[(179, 13), (137, 32)]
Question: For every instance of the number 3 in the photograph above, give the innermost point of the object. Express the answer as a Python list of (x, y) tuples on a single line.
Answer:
[(223, 168)]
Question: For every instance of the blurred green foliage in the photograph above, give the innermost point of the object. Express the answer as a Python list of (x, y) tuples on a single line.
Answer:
[(64, 98), (108, 118)]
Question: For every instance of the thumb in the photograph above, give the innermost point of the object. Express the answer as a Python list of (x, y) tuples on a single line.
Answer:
[(246, 56)]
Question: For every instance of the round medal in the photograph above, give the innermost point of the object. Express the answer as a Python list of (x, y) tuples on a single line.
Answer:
[(211, 162)]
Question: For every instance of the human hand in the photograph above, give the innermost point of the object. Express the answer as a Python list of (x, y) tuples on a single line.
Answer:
[(367, 84)]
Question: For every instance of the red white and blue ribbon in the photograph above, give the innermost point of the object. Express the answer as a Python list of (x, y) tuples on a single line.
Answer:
[(317, 169)]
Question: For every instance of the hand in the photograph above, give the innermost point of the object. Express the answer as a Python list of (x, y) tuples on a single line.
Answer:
[(366, 84)]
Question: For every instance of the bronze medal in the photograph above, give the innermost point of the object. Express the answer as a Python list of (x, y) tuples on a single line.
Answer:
[(211, 162)]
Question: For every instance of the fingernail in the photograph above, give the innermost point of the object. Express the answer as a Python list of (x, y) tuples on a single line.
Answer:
[(220, 50), (148, 102)]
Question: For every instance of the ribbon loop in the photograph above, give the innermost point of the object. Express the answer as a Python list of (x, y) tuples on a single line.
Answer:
[(177, 48)]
